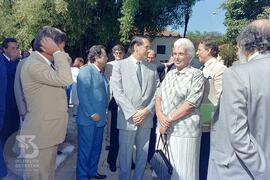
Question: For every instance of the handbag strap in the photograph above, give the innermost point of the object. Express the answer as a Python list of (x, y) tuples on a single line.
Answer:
[(164, 140)]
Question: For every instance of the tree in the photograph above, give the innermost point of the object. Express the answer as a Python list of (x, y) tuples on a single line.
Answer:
[(89, 22), (240, 12), (197, 36), (140, 16)]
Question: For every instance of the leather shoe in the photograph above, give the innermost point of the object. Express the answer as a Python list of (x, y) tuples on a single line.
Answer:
[(99, 176)]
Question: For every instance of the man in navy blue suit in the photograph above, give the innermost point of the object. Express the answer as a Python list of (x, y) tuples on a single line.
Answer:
[(92, 88), (11, 118), (3, 86)]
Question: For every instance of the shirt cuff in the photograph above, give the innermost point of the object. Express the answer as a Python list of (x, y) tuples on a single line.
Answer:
[(56, 52)]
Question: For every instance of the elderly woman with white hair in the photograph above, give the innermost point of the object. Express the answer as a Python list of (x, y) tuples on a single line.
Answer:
[(177, 102)]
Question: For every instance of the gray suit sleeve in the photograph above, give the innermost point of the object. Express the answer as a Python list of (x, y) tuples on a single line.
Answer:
[(119, 94), (234, 107)]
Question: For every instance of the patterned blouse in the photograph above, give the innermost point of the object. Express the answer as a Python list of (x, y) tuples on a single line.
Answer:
[(176, 88)]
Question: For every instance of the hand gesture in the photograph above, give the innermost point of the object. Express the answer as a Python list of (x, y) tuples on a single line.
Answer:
[(139, 116), (48, 46)]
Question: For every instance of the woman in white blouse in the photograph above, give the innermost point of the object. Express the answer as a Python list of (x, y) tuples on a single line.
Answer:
[(177, 103)]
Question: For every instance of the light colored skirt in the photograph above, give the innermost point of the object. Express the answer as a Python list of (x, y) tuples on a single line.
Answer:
[(184, 156)]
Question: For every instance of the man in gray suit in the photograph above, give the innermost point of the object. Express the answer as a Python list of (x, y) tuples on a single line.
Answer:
[(134, 82), (240, 130)]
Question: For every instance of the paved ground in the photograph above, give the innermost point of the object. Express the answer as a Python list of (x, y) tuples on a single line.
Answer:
[(66, 171), (66, 162)]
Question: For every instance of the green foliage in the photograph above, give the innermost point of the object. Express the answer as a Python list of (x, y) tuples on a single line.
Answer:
[(128, 10), (265, 14), (228, 54), (89, 22), (240, 12), (197, 36), (140, 16)]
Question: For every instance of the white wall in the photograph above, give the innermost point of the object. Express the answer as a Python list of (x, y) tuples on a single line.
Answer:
[(167, 41)]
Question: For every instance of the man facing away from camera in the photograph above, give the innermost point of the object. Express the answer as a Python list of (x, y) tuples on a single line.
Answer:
[(240, 128)]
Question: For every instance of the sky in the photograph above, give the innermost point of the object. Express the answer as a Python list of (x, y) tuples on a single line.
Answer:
[(207, 17)]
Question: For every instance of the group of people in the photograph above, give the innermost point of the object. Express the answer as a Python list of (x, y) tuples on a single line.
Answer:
[(145, 100)]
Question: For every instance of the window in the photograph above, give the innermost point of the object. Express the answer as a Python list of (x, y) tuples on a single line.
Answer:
[(161, 49)]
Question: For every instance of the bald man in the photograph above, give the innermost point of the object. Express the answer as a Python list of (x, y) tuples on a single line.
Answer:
[(240, 128)]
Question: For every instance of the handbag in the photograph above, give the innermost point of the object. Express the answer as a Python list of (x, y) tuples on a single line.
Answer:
[(160, 162)]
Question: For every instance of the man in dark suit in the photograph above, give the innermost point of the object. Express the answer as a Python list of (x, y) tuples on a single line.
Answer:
[(118, 52), (92, 89), (11, 118), (3, 86)]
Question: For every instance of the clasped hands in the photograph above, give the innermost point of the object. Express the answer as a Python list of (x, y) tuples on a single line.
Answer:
[(165, 122), (139, 116)]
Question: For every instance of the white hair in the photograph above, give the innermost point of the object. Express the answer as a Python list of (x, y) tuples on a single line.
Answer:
[(187, 44)]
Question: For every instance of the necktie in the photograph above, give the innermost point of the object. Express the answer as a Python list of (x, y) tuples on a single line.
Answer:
[(139, 73), (201, 68), (53, 66)]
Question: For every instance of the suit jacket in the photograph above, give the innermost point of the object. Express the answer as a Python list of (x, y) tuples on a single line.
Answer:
[(240, 147), (18, 91), (213, 72), (44, 90), (92, 89), (128, 94), (3, 88)]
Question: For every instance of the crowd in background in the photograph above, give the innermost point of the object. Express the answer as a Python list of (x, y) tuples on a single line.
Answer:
[(139, 100)]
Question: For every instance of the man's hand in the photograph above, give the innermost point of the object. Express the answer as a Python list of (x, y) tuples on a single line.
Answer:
[(140, 116), (95, 117), (48, 46)]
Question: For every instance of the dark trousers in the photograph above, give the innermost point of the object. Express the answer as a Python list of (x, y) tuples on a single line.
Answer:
[(114, 134), (3, 169), (11, 125), (204, 155), (153, 139)]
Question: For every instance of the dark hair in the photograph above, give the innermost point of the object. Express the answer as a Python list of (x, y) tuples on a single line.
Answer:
[(32, 43), (8, 40), (93, 52), (136, 40), (56, 34), (209, 43), (118, 47), (254, 37)]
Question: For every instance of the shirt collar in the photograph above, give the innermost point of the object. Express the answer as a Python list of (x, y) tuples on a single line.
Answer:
[(253, 55), (182, 71), (97, 67), (134, 60), (6, 57), (46, 59), (210, 61)]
